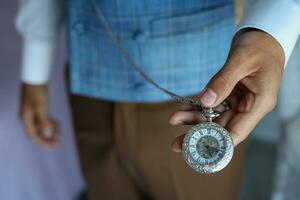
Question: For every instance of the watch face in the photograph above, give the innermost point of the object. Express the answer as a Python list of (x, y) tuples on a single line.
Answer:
[(207, 147)]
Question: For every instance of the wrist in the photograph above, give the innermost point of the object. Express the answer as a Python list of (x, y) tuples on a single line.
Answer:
[(259, 46), (36, 92)]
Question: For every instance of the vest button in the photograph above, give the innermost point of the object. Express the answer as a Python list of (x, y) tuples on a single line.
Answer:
[(139, 35), (138, 85), (80, 27)]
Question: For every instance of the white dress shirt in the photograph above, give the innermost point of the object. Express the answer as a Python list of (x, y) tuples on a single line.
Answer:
[(39, 22)]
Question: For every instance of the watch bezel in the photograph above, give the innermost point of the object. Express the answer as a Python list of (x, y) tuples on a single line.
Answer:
[(211, 167)]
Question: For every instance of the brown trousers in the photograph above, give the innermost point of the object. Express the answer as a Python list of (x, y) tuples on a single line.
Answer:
[(125, 152)]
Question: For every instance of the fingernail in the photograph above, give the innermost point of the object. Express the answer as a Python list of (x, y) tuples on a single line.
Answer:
[(209, 97), (178, 123), (48, 133), (175, 148)]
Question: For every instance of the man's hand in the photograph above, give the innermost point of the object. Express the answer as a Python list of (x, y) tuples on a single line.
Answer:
[(34, 114), (249, 80)]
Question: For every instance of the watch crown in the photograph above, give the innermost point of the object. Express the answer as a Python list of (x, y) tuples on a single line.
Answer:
[(210, 114)]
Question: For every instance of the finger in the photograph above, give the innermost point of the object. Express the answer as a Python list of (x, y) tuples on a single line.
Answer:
[(225, 117), (186, 107), (241, 125), (222, 84), (186, 118), (31, 127), (48, 130), (231, 103), (177, 143), (229, 110), (220, 108)]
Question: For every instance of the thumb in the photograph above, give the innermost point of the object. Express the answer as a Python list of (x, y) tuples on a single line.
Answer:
[(219, 87)]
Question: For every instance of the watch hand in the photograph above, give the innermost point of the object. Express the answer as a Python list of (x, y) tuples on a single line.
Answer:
[(214, 148), (209, 148), (209, 152)]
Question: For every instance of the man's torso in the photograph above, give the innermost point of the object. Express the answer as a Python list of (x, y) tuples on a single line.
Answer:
[(179, 44)]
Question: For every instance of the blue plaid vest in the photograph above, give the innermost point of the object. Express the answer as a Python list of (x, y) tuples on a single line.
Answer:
[(180, 44)]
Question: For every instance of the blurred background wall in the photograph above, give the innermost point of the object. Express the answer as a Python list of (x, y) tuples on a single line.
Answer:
[(29, 172)]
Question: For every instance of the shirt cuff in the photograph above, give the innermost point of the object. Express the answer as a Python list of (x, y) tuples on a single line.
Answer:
[(280, 19), (37, 61)]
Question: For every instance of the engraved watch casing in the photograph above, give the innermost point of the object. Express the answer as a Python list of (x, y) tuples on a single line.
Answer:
[(207, 147)]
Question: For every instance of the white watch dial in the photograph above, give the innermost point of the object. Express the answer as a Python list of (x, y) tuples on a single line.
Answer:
[(207, 147)]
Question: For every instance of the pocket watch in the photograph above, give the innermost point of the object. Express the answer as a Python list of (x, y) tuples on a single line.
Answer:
[(207, 147)]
